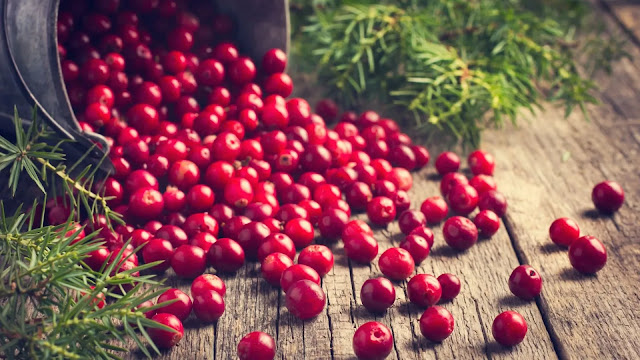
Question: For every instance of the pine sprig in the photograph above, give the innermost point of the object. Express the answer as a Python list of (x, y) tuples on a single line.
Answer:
[(457, 65)]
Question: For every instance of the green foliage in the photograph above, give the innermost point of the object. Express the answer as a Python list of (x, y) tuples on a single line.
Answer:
[(457, 65), (47, 293)]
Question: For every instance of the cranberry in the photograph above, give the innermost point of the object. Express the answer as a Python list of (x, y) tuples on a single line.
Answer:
[(525, 282), (238, 192), (396, 264), (222, 213), (300, 231), (297, 273), (279, 83), (358, 195), (494, 201), (251, 236), (417, 246), (242, 71), (436, 323), (121, 167), (94, 72), (258, 211), (318, 257), (326, 194), (481, 162), (403, 156), (450, 180), (435, 209), (463, 199), (450, 285), (564, 231), (295, 194), (181, 307), (203, 240), (220, 95), (384, 188), (273, 265), (200, 222), (146, 203), (309, 210), (587, 255), (460, 233), (200, 198), (409, 220), (184, 174), (277, 242), (483, 183), (164, 338), (402, 201), (423, 232), (257, 346), (174, 234), (207, 123), (305, 299), (424, 290), (188, 261), (381, 210), (281, 180), (607, 196), (372, 340), (355, 227), (422, 156), (361, 247), (218, 174), (377, 295), (487, 223), (208, 305), (152, 226), (509, 328), (226, 255), (136, 151), (144, 118), (226, 147), (447, 162), (274, 61), (274, 142), (332, 223)]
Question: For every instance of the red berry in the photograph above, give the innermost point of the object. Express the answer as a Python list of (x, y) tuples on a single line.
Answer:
[(251, 236), (422, 156), (188, 261), (318, 257), (384, 188), (481, 162), (144, 118), (238, 192), (274, 61), (587, 255), (447, 162), (257, 346), (450, 285), (450, 180), (417, 246), (435, 209), (273, 265), (487, 223), (184, 174), (607, 196), (494, 201), (377, 295), (200, 222), (226, 255), (136, 151), (242, 71), (564, 231), (381, 210), (200, 198), (332, 223), (208, 305), (403, 156), (163, 338), (483, 183), (146, 204), (460, 233), (174, 199), (280, 84), (203, 240), (300, 231), (372, 341), (360, 247), (358, 195), (402, 201), (525, 282), (279, 243), (396, 264), (218, 174), (305, 299), (424, 290), (425, 233), (436, 323), (409, 220), (463, 199), (509, 328), (297, 273), (158, 250), (181, 308), (176, 236), (208, 282)]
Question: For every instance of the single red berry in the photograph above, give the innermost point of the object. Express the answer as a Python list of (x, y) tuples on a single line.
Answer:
[(300, 231), (384, 188), (163, 338), (377, 295), (280, 84), (203, 240), (326, 194), (258, 211), (355, 227), (181, 308), (607, 196), (481, 162), (436, 323), (200, 198), (257, 346), (188, 261), (494, 201), (411, 219), (396, 264), (509, 328), (318, 257), (463, 199), (417, 246), (403, 156), (487, 223), (274, 61), (184, 174), (435, 209), (208, 282), (242, 71), (273, 265), (146, 204), (158, 250), (424, 290), (587, 255), (176, 236), (450, 180), (238, 192), (422, 156), (152, 226), (447, 162), (208, 305), (332, 222), (144, 118), (425, 233), (525, 282), (564, 231), (360, 247), (200, 222), (174, 199), (136, 151), (402, 201), (251, 236), (226, 255), (297, 273), (381, 210), (372, 341), (305, 299), (460, 233), (450, 285), (483, 183), (279, 243)]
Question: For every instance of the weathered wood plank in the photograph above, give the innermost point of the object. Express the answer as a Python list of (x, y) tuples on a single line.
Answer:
[(628, 14)]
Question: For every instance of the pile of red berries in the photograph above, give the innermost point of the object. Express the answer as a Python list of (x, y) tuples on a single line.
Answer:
[(215, 166)]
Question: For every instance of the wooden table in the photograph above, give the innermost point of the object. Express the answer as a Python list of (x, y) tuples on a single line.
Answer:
[(546, 167)]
